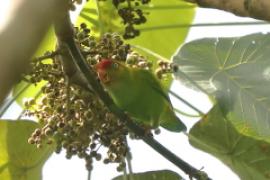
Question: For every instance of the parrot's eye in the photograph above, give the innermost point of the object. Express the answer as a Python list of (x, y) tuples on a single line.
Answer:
[(115, 65)]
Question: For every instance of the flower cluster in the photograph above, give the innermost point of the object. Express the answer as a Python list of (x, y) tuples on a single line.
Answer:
[(72, 116)]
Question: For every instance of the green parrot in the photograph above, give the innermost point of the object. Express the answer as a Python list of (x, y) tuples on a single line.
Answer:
[(139, 93)]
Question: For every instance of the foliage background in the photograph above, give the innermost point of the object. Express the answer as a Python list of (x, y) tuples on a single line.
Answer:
[(60, 168)]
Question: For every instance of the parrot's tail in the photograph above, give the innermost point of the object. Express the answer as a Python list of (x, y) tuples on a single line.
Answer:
[(171, 122)]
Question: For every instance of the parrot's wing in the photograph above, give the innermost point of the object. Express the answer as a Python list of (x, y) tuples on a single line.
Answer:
[(153, 82), (172, 122)]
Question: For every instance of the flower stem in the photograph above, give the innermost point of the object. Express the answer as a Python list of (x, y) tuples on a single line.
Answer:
[(186, 103)]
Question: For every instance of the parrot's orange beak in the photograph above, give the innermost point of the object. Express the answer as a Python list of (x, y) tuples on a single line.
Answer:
[(101, 69), (103, 76)]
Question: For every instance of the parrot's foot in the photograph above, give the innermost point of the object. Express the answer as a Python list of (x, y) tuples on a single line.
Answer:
[(147, 130)]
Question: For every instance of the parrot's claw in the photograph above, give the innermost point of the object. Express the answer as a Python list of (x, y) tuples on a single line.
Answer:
[(147, 130)]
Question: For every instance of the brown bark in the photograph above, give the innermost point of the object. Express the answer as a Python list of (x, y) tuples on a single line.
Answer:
[(258, 9)]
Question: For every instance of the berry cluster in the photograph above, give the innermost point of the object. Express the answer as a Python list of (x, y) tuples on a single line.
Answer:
[(130, 12), (131, 15), (72, 117), (164, 67), (108, 46), (77, 121), (136, 60)]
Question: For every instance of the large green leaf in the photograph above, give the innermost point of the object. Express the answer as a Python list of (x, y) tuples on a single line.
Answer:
[(100, 17), (246, 156), (153, 175), (235, 70), (47, 44), (18, 159), (162, 34)]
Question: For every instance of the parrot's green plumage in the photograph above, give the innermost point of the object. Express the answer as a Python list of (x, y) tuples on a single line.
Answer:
[(138, 92)]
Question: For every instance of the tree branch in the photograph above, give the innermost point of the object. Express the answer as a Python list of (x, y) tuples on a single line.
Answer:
[(21, 36), (64, 32), (258, 9)]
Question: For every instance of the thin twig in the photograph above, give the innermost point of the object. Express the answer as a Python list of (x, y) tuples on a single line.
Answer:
[(48, 55), (186, 114), (167, 7), (192, 82), (128, 160), (11, 100), (150, 52), (89, 174), (175, 26), (130, 11), (186, 102), (129, 164), (125, 174)]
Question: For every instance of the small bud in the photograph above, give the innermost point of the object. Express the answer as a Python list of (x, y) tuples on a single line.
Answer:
[(119, 168), (98, 156), (83, 25), (157, 131), (106, 161), (142, 64), (39, 146), (174, 67), (31, 140), (93, 153), (60, 124), (93, 145), (37, 132), (48, 131), (159, 73)]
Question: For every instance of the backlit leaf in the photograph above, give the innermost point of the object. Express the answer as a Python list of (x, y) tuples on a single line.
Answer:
[(237, 72), (246, 156), (18, 159), (153, 175)]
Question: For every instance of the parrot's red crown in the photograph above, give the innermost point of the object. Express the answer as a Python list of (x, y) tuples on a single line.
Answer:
[(104, 64)]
